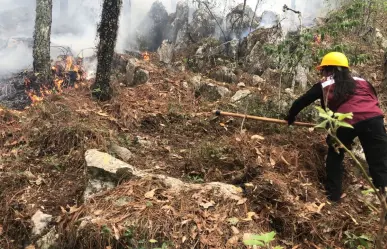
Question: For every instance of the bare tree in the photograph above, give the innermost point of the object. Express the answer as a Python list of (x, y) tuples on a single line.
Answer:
[(107, 30), (241, 23), (42, 33), (255, 12)]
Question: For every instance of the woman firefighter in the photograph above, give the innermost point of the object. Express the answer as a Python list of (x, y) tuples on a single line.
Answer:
[(344, 94)]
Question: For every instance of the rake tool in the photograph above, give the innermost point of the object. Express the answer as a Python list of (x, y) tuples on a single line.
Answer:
[(269, 120)]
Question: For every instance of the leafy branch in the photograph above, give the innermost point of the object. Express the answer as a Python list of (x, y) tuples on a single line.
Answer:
[(332, 122)]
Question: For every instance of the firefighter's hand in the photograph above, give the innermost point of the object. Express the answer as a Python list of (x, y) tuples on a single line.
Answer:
[(290, 119)]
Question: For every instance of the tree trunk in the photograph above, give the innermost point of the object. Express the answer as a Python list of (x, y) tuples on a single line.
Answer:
[(42, 33), (107, 30)]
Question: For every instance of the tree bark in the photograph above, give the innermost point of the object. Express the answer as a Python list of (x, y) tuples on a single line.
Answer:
[(107, 30), (42, 33)]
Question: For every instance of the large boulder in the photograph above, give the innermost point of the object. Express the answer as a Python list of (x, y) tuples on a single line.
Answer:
[(202, 25), (301, 77), (141, 76), (154, 28), (131, 67), (224, 74), (104, 172), (269, 19), (238, 27), (165, 52), (257, 80), (210, 49), (211, 92), (256, 60), (180, 24), (239, 95)]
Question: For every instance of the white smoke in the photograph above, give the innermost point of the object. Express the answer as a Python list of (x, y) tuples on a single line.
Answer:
[(77, 31)]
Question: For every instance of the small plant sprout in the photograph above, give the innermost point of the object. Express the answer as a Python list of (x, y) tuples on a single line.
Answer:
[(262, 240), (331, 123)]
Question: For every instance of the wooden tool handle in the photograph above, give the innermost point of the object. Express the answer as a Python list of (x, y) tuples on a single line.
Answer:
[(270, 120)]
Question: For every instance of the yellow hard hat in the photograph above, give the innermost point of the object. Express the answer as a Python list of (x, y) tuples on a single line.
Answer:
[(334, 59)]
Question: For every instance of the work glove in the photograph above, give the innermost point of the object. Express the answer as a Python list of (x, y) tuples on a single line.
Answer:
[(290, 119)]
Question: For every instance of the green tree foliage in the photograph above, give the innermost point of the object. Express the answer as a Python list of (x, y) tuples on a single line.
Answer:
[(303, 47)]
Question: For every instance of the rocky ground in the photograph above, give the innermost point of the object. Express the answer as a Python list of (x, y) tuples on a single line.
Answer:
[(186, 179)]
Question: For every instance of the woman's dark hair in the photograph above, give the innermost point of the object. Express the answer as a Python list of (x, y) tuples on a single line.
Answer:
[(344, 83)]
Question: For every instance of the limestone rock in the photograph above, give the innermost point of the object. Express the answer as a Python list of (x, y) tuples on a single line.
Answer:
[(257, 81), (212, 92), (301, 77), (224, 74), (253, 50), (49, 240), (269, 19), (96, 158), (241, 85), (122, 152), (102, 162), (195, 81), (141, 76), (234, 16), (130, 70), (104, 172), (165, 52), (239, 95), (40, 221), (179, 25), (95, 186), (154, 27), (203, 24)]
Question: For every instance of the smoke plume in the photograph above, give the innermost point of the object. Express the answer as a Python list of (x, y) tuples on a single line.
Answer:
[(74, 24)]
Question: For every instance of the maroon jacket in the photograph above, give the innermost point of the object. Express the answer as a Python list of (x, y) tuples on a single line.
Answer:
[(363, 104)]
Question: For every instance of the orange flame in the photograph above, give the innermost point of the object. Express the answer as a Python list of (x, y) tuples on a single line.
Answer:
[(69, 63), (146, 56), (59, 79)]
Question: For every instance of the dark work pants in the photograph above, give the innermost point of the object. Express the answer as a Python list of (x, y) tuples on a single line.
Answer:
[(373, 138)]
